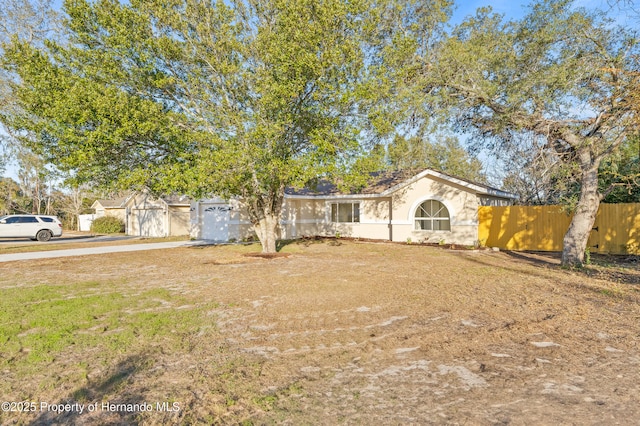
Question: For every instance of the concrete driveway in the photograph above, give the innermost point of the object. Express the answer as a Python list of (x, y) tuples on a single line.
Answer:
[(94, 250), (67, 238)]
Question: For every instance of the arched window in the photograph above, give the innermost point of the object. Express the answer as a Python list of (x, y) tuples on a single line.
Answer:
[(432, 215)]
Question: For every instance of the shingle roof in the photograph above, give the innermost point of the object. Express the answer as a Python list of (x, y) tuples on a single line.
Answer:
[(115, 203), (383, 182), (380, 182), (176, 200)]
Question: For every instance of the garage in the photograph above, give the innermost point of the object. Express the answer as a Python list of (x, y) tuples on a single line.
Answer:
[(147, 222), (219, 220), (148, 216), (215, 221)]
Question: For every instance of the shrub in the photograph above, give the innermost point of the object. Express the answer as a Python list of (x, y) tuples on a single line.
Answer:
[(107, 225)]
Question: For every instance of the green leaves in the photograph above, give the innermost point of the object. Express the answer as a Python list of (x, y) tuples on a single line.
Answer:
[(443, 153), (515, 75), (555, 75), (240, 97)]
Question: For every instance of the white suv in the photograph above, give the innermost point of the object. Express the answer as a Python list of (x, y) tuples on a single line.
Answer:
[(36, 227)]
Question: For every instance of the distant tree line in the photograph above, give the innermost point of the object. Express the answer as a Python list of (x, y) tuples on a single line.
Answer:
[(16, 198)]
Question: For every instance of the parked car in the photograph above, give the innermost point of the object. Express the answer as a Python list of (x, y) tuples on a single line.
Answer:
[(34, 226)]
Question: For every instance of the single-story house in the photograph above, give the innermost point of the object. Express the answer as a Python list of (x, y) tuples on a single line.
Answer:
[(113, 208), (428, 206), (148, 216)]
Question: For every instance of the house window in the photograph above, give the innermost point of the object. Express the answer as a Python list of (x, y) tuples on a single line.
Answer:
[(432, 215), (345, 212)]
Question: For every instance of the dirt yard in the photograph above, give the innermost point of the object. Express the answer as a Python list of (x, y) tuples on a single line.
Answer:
[(333, 332)]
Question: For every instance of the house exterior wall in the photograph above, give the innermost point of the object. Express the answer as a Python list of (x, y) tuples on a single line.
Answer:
[(461, 203), (146, 222), (118, 212), (146, 216), (388, 218), (391, 217), (241, 222), (101, 211), (311, 217), (179, 221), (302, 218)]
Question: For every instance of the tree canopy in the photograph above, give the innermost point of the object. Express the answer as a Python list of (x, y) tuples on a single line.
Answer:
[(31, 21), (233, 98), (562, 74), (443, 153)]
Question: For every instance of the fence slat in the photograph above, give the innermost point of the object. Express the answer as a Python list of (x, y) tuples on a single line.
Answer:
[(542, 228)]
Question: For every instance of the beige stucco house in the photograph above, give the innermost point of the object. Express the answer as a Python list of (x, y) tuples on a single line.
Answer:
[(148, 216), (428, 206), (113, 208)]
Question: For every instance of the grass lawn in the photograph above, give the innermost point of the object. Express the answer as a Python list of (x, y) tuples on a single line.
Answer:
[(331, 332)]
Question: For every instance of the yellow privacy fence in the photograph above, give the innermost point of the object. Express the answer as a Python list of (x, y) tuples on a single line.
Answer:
[(616, 229)]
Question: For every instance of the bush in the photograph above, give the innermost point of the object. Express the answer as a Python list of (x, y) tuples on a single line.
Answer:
[(107, 225)]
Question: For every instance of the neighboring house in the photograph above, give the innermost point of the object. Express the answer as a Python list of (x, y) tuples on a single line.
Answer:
[(147, 216), (425, 207), (113, 208)]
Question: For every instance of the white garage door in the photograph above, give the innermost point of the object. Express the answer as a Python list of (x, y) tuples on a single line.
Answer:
[(215, 223), (150, 223)]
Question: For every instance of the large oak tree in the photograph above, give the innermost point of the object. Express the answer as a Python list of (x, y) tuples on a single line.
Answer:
[(233, 98), (561, 74)]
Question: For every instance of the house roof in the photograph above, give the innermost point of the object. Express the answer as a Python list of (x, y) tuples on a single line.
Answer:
[(385, 183), (116, 203), (177, 200), (120, 203), (169, 200)]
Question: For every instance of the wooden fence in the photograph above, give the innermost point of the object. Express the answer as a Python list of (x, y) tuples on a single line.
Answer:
[(616, 229)]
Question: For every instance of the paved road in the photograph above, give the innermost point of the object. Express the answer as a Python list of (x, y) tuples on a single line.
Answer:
[(94, 250)]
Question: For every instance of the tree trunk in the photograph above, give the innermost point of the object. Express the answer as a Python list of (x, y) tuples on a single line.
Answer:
[(577, 236), (267, 230), (264, 211)]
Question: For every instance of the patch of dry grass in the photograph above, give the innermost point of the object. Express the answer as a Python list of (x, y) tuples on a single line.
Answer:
[(333, 332)]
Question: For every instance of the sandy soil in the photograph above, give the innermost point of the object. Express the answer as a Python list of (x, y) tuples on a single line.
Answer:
[(344, 332)]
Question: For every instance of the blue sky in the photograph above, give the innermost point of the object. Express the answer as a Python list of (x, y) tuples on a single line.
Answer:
[(511, 9), (514, 9)]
